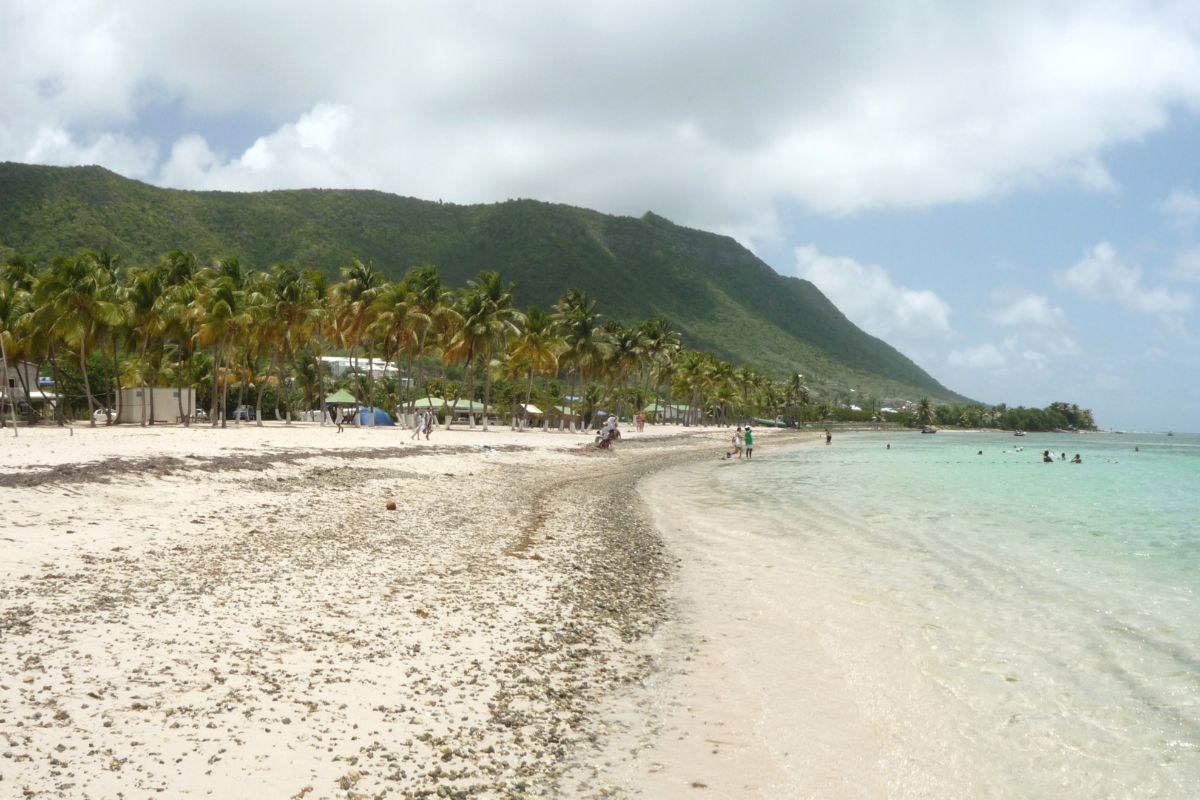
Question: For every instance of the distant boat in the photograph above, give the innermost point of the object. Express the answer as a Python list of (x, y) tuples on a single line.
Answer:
[(1170, 433), (1018, 433), (929, 429)]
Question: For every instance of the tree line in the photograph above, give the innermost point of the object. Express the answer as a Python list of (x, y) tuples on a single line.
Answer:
[(245, 337), (240, 336)]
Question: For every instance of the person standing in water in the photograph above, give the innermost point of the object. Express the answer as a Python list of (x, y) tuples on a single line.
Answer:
[(828, 437), (749, 443)]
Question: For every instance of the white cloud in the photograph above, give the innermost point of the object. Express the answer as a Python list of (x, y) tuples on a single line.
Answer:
[(716, 115), (866, 294), (1154, 354), (1101, 275), (1040, 350), (1024, 309), (132, 157), (1187, 264), (1182, 208), (310, 147), (984, 356)]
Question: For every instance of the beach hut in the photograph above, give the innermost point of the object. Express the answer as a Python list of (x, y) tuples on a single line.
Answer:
[(467, 410), (335, 402), (669, 412), (563, 417), (527, 411)]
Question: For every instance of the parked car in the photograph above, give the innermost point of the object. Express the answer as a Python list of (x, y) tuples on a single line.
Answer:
[(244, 412), (103, 414)]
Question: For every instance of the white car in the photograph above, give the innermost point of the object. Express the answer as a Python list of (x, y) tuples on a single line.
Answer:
[(102, 415)]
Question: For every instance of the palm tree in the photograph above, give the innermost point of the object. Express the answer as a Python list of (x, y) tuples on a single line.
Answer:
[(428, 305), (488, 319), (747, 380), (75, 302), (693, 378), (222, 318), (392, 327), (354, 305), (625, 354), (292, 302), (576, 318), (536, 346), (659, 343), (143, 309), (923, 414)]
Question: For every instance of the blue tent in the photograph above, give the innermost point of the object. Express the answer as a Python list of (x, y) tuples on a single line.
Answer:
[(381, 417)]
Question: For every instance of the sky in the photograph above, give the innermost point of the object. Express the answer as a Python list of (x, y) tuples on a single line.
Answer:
[(1007, 192)]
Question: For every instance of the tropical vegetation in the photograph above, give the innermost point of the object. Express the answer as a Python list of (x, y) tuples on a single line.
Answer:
[(242, 338), (718, 295)]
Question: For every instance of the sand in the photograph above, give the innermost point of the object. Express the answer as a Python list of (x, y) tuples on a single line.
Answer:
[(236, 613), (748, 700)]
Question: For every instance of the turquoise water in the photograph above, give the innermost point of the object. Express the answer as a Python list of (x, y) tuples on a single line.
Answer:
[(1040, 626)]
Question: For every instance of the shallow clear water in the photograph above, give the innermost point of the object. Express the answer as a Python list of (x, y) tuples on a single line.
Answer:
[(1031, 628)]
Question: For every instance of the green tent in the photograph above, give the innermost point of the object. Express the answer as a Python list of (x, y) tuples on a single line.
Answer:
[(339, 397)]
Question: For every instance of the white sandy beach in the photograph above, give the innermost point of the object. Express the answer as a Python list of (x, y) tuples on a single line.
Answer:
[(235, 613)]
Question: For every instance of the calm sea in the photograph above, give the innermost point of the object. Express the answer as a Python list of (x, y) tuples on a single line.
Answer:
[(1040, 622)]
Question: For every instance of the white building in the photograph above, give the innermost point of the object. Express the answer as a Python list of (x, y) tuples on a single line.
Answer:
[(21, 387), (338, 366), (162, 404)]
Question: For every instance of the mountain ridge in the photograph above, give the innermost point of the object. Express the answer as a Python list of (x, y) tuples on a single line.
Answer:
[(720, 296)]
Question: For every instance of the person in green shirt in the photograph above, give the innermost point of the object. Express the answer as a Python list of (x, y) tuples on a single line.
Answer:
[(749, 443)]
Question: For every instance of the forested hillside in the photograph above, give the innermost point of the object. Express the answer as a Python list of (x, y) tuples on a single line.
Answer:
[(715, 292)]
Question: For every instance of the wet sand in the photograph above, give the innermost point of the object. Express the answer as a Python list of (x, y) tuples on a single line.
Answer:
[(748, 702)]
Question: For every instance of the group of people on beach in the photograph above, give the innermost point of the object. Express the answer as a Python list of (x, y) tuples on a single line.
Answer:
[(423, 423), (743, 443)]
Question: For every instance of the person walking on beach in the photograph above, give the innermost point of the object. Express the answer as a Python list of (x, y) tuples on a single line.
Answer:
[(418, 426), (429, 418), (737, 442), (828, 437), (640, 421), (749, 443)]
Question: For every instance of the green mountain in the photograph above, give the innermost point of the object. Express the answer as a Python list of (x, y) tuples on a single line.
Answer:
[(717, 293)]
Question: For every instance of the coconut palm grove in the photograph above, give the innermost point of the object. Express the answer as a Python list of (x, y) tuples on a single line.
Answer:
[(246, 338)]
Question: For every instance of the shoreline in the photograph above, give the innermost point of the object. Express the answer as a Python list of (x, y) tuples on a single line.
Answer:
[(205, 612), (738, 715)]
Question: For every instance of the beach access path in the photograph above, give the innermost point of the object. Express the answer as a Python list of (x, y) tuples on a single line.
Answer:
[(196, 612)]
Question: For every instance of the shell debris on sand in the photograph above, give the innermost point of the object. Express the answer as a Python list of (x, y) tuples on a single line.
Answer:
[(291, 642)]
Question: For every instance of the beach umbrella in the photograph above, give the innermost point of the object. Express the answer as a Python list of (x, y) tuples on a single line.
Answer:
[(340, 396)]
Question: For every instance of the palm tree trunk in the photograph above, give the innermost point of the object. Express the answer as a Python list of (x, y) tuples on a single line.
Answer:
[(528, 395), (12, 403), (419, 357), (262, 387), (218, 356), (87, 385), (487, 388)]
